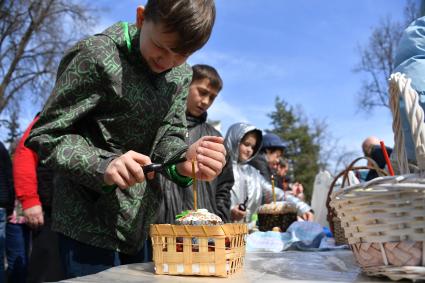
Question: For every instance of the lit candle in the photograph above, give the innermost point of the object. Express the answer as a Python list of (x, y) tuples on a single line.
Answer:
[(195, 206), (274, 195)]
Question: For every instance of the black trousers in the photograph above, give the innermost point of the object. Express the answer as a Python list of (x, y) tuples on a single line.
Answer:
[(45, 263)]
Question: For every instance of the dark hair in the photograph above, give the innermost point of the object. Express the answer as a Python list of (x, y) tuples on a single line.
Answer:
[(193, 21), (201, 72)]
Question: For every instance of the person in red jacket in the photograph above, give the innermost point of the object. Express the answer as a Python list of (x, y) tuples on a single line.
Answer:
[(33, 187)]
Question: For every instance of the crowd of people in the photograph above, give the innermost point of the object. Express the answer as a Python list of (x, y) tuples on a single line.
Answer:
[(74, 197), (83, 201), (252, 158)]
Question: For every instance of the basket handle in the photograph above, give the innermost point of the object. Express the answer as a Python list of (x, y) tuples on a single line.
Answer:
[(400, 89), (373, 166)]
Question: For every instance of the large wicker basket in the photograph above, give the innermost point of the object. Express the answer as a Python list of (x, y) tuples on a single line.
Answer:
[(198, 250), (385, 218), (334, 220)]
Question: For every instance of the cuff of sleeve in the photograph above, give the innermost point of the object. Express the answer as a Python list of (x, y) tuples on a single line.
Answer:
[(180, 180), (30, 202), (100, 172)]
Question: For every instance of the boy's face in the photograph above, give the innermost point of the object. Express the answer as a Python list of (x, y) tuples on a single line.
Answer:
[(157, 47), (247, 147), (201, 97), (282, 170), (273, 157)]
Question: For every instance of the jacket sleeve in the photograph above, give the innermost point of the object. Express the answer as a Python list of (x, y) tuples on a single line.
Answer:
[(78, 90), (267, 191), (410, 54), (410, 60), (225, 183), (171, 139), (25, 172)]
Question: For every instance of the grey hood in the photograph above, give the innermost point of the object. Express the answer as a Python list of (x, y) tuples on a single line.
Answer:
[(234, 137)]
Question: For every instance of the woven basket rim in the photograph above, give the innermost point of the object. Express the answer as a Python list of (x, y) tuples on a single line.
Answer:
[(388, 184)]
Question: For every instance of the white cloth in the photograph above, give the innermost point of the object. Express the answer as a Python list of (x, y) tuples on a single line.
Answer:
[(321, 187)]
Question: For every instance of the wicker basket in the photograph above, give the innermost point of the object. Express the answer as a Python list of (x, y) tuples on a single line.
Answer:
[(198, 250), (335, 224), (385, 217)]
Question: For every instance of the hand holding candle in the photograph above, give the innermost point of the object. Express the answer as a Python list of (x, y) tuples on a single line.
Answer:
[(210, 156)]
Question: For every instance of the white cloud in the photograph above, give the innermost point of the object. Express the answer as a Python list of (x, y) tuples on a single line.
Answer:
[(237, 67), (226, 113)]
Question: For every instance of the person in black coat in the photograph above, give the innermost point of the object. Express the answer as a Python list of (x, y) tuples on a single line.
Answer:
[(7, 198)]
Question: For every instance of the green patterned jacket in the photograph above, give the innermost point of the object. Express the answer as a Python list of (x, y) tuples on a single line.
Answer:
[(105, 102)]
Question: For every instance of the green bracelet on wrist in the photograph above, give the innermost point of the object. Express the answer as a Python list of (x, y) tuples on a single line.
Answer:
[(180, 180)]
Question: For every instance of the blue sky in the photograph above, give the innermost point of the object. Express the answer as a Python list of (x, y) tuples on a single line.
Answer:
[(303, 51)]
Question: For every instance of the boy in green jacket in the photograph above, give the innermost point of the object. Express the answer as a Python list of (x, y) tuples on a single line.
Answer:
[(118, 103)]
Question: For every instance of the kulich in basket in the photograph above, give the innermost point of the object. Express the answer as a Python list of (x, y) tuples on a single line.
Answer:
[(279, 214), (198, 250)]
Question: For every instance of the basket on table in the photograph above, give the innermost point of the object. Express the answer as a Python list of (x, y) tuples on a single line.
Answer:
[(335, 224), (198, 250), (385, 218)]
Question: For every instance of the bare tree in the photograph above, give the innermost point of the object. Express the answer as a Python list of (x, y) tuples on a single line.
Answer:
[(12, 126), (377, 59), (33, 36)]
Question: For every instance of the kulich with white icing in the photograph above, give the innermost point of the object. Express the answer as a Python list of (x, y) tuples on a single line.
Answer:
[(199, 217)]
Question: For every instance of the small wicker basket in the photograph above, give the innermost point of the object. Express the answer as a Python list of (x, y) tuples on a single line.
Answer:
[(198, 250), (385, 218)]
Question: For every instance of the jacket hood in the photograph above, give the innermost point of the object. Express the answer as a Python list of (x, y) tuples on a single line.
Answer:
[(234, 137), (123, 34), (127, 38)]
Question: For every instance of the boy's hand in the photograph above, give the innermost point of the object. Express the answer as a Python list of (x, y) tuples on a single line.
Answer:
[(237, 214), (298, 191), (210, 156), (34, 216), (308, 216), (126, 170)]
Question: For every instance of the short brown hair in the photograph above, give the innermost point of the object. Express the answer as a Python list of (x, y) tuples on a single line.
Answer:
[(201, 71), (192, 20)]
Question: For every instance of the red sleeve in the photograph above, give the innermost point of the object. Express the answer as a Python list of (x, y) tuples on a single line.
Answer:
[(25, 172)]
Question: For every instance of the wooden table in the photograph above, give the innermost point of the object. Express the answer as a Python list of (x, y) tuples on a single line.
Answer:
[(289, 266)]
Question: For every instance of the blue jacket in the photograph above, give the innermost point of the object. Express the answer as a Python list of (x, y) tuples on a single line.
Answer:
[(410, 60)]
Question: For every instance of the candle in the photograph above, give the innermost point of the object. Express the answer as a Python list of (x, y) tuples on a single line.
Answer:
[(274, 195), (195, 206), (387, 159)]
